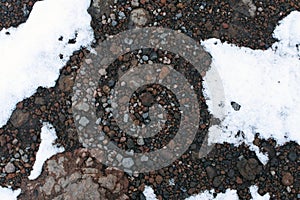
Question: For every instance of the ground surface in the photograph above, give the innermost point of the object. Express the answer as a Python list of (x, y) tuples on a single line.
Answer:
[(225, 167)]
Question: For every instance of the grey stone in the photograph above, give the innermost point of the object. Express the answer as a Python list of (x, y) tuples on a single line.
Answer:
[(47, 187), (9, 168), (127, 162), (83, 121), (108, 182), (82, 106), (139, 16)]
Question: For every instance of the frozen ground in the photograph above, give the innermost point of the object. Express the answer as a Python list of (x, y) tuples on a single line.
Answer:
[(266, 84)]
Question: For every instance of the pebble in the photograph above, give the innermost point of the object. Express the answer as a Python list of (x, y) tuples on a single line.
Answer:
[(159, 179), (225, 25), (235, 106), (135, 3), (139, 16), (147, 99), (10, 168), (83, 121), (292, 156), (287, 179), (249, 168), (211, 172), (127, 162)]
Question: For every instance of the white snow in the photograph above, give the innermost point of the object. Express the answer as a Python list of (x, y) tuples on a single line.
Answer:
[(46, 149), (255, 196), (265, 83), (209, 195), (29, 56), (9, 194), (149, 193)]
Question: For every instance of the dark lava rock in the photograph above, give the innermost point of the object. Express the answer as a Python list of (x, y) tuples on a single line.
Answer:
[(211, 172), (235, 106), (249, 168), (292, 156), (147, 99)]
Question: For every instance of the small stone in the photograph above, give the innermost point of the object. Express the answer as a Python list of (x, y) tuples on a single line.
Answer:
[(108, 182), (292, 156), (217, 181), (239, 181), (83, 121), (249, 168), (139, 16), (127, 162), (163, 2), (106, 89), (211, 172), (153, 55), (114, 23), (135, 3), (19, 118), (82, 106), (147, 99), (140, 141), (9, 168), (47, 187), (225, 25), (158, 179), (235, 106), (145, 58), (287, 179), (144, 158)]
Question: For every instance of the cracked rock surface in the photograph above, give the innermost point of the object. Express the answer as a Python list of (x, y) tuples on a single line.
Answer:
[(76, 175)]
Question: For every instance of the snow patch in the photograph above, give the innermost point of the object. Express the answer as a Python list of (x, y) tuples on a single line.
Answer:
[(209, 195), (265, 83), (29, 55), (149, 193), (255, 196), (46, 149), (9, 194)]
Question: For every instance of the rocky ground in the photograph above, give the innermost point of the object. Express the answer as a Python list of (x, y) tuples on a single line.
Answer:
[(75, 172)]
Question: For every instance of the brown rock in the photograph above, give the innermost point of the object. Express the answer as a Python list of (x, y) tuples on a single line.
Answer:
[(225, 25), (239, 180), (147, 99), (19, 118), (287, 179), (65, 83), (163, 2)]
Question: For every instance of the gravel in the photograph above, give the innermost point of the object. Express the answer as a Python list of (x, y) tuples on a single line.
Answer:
[(244, 23)]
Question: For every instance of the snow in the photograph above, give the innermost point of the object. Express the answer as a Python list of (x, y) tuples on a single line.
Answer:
[(209, 195), (149, 193), (265, 83), (29, 55), (46, 149), (9, 194), (255, 196)]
